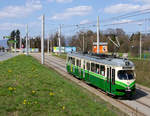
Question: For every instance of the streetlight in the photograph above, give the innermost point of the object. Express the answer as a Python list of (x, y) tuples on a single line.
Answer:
[(42, 39)]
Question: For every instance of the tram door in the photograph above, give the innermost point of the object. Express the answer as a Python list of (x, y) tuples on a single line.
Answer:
[(109, 79)]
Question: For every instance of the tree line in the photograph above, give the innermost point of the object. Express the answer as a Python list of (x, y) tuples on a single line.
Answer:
[(128, 43)]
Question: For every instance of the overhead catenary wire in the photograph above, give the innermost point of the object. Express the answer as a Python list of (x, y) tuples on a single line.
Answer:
[(114, 20), (127, 15)]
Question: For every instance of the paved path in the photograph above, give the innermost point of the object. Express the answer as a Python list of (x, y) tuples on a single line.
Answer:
[(6, 55)]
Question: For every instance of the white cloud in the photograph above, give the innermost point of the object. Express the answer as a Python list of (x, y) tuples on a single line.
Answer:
[(122, 21), (10, 26), (60, 1), (124, 8), (85, 21), (20, 11), (143, 1), (75, 11), (118, 8)]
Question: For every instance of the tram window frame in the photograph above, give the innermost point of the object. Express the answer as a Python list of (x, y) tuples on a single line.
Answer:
[(88, 66), (102, 69), (113, 76)]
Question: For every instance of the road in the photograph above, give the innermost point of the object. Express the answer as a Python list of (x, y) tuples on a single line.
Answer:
[(140, 103), (6, 55)]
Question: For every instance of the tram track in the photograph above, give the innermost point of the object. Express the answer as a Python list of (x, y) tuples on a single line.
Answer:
[(135, 107), (141, 102)]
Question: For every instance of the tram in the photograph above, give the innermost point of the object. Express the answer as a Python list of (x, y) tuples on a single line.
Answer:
[(113, 75)]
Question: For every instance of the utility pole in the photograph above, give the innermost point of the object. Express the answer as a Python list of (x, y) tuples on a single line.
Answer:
[(140, 43), (59, 37), (27, 40), (15, 44), (83, 42), (98, 35), (48, 44), (29, 44), (51, 45), (20, 43), (146, 26), (42, 40)]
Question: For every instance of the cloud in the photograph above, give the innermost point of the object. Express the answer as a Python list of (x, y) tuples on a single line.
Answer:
[(143, 1), (10, 26), (124, 8), (7, 26), (122, 21), (20, 11), (75, 11), (60, 1), (118, 8), (85, 21)]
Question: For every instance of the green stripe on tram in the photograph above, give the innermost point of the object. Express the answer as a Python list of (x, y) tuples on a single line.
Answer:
[(121, 84), (132, 84), (102, 77), (97, 75)]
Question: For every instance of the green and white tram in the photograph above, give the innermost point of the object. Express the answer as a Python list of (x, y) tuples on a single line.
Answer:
[(112, 75)]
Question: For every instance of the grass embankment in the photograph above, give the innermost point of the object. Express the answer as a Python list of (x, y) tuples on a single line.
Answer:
[(62, 55), (142, 71), (28, 88)]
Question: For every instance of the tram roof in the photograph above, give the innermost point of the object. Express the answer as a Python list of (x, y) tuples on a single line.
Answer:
[(105, 60)]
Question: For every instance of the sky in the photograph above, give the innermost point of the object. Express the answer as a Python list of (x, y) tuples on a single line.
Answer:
[(16, 14)]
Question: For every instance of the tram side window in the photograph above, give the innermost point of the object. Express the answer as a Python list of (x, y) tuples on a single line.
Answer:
[(113, 76), (102, 70), (97, 68), (79, 63), (73, 61), (84, 64), (88, 66), (93, 67), (107, 75)]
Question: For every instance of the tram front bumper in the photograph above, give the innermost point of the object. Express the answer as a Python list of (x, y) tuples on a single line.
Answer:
[(126, 92)]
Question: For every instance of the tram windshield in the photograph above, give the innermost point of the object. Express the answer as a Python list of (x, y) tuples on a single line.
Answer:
[(125, 74)]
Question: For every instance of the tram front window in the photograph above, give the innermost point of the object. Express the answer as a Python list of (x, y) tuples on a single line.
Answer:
[(125, 74)]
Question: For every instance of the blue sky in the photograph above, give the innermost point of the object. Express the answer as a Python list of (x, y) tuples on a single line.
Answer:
[(15, 14)]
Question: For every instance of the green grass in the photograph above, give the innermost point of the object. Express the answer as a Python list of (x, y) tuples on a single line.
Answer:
[(28, 88), (62, 55), (145, 56), (142, 70)]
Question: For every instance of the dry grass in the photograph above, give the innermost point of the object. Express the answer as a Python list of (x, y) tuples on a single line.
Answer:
[(142, 72)]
